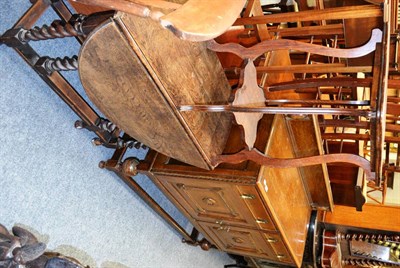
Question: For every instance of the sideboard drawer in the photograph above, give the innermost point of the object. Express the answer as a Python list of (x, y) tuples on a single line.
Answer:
[(278, 247), (210, 201), (254, 203), (246, 242)]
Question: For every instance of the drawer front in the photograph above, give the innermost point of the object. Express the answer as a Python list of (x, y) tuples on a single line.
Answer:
[(244, 241), (256, 207), (278, 247), (210, 201)]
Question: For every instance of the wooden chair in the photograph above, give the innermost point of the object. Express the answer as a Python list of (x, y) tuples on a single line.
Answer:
[(208, 23), (342, 90), (310, 106), (392, 140), (358, 132)]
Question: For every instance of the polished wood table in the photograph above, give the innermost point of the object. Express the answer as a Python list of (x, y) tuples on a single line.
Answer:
[(137, 73)]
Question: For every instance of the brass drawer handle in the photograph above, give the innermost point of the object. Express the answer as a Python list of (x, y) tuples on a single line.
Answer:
[(280, 256), (272, 240), (224, 228), (261, 221), (248, 196)]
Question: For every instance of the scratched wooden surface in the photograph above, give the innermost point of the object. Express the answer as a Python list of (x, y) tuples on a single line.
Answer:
[(306, 141), (189, 73), (283, 191), (197, 21), (136, 81), (316, 179)]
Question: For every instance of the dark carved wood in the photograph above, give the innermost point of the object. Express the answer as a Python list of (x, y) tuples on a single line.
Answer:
[(260, 158), (283, 44)]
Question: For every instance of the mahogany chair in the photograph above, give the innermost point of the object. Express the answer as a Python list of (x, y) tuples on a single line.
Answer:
[(341, 91), (391, 163), (357, 131), (341, 105), (378, 88), (208, 23)]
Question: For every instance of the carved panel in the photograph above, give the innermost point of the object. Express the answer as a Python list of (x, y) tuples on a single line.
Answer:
[(245, 241), (210, 200)]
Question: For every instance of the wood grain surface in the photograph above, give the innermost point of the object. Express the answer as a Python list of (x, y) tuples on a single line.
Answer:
[(286, 44), (284, 192), (199, 20), (337, 13), (306, 141), (252, 95), (373, 217), (130, 73)]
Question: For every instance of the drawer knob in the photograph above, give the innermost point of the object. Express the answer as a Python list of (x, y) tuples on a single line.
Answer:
[(280, 256), (238, 240), (180, 186), (224, 228), (248, 196), (272, 240), (209, 201), (261, 221)]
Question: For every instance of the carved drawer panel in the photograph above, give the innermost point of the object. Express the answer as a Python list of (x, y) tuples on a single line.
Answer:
[(243, 241), (212, 201)]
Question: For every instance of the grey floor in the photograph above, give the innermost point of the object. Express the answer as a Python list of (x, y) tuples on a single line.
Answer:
[(50, 182)]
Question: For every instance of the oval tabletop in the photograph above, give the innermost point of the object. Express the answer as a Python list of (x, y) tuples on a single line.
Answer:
[(136, 73)]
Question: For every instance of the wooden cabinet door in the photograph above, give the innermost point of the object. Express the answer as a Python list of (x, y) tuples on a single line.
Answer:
[(211, 201)]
